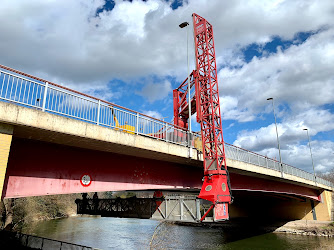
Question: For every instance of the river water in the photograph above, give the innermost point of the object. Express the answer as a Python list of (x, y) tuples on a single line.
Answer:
[(126, 233)]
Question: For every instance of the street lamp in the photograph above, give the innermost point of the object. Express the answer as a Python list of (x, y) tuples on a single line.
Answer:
[(279, 148), (309, 143), (183, 25)]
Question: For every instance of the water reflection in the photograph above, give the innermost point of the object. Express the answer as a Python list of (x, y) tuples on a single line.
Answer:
[(123, 233)]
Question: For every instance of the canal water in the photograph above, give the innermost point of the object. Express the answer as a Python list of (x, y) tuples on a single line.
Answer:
[(126, 233)]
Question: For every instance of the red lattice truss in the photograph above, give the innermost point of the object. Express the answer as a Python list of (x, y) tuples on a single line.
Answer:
[(205, 103)]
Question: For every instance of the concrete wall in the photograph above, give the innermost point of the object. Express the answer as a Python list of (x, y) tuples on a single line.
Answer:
[(323, 209), (6, 132)]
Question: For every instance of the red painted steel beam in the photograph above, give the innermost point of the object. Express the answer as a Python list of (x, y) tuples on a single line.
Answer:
[(251, 183), (40, 168), (180, 102)]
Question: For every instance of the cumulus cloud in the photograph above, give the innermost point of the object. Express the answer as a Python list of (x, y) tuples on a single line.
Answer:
[(301, 75), (153, 113), (156, 91), (301, 81), (322, 152), (291, 135), (66, 39), (230, 110), (289, 131)]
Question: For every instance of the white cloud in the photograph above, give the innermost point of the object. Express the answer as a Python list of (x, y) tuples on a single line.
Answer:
[(65, 39), (322, 152), (291, 134), (230, 111), (301, 81), (302, 75), (290, 131), (153, 113), (156, 91)]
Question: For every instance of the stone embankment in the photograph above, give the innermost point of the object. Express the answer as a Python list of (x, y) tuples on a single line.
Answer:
[(304, 227)]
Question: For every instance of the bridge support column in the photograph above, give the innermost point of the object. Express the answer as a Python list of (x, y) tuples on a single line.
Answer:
[(6, 133), (322, 211)]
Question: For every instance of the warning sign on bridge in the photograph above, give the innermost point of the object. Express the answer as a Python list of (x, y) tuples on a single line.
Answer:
[(86, 180)]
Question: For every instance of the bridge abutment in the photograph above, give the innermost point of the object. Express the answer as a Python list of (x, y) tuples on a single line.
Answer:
[(6, 134), (281, 207)]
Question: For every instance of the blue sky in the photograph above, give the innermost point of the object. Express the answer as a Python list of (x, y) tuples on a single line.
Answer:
[(133, 53)]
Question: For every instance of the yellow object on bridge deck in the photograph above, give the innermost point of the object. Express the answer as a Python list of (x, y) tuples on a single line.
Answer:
[(198, 144), (126, 128)]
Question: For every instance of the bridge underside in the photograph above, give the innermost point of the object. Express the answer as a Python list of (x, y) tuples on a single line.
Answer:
[(186, 207), (41, 168)]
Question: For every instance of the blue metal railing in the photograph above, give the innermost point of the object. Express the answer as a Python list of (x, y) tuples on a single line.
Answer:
[(58, 100)]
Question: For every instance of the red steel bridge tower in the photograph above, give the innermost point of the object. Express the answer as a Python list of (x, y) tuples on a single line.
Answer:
[(205, 102)]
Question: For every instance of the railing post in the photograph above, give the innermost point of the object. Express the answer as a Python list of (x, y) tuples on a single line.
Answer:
[(282, 171), (44, 96), (189, 144), (98, 113), (137, 124), (166, 132)]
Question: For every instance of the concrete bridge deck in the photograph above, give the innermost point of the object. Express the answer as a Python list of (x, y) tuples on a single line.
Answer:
[(34, 124)]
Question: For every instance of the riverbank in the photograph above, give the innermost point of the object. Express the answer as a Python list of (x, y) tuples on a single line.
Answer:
[(255, 227), (305, 227), (17, 213)]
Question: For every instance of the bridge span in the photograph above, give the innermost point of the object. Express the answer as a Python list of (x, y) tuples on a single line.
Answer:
[(51, 138)]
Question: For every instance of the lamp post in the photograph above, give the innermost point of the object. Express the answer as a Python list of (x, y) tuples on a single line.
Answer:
[(279, 148), (309, 143), (183, 25), (186, 25)]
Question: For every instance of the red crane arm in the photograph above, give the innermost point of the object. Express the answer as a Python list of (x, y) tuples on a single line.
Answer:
[(208, 96), (216, 186)]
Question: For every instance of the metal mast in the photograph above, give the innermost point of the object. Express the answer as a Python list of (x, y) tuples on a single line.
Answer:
[(216, 186)]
